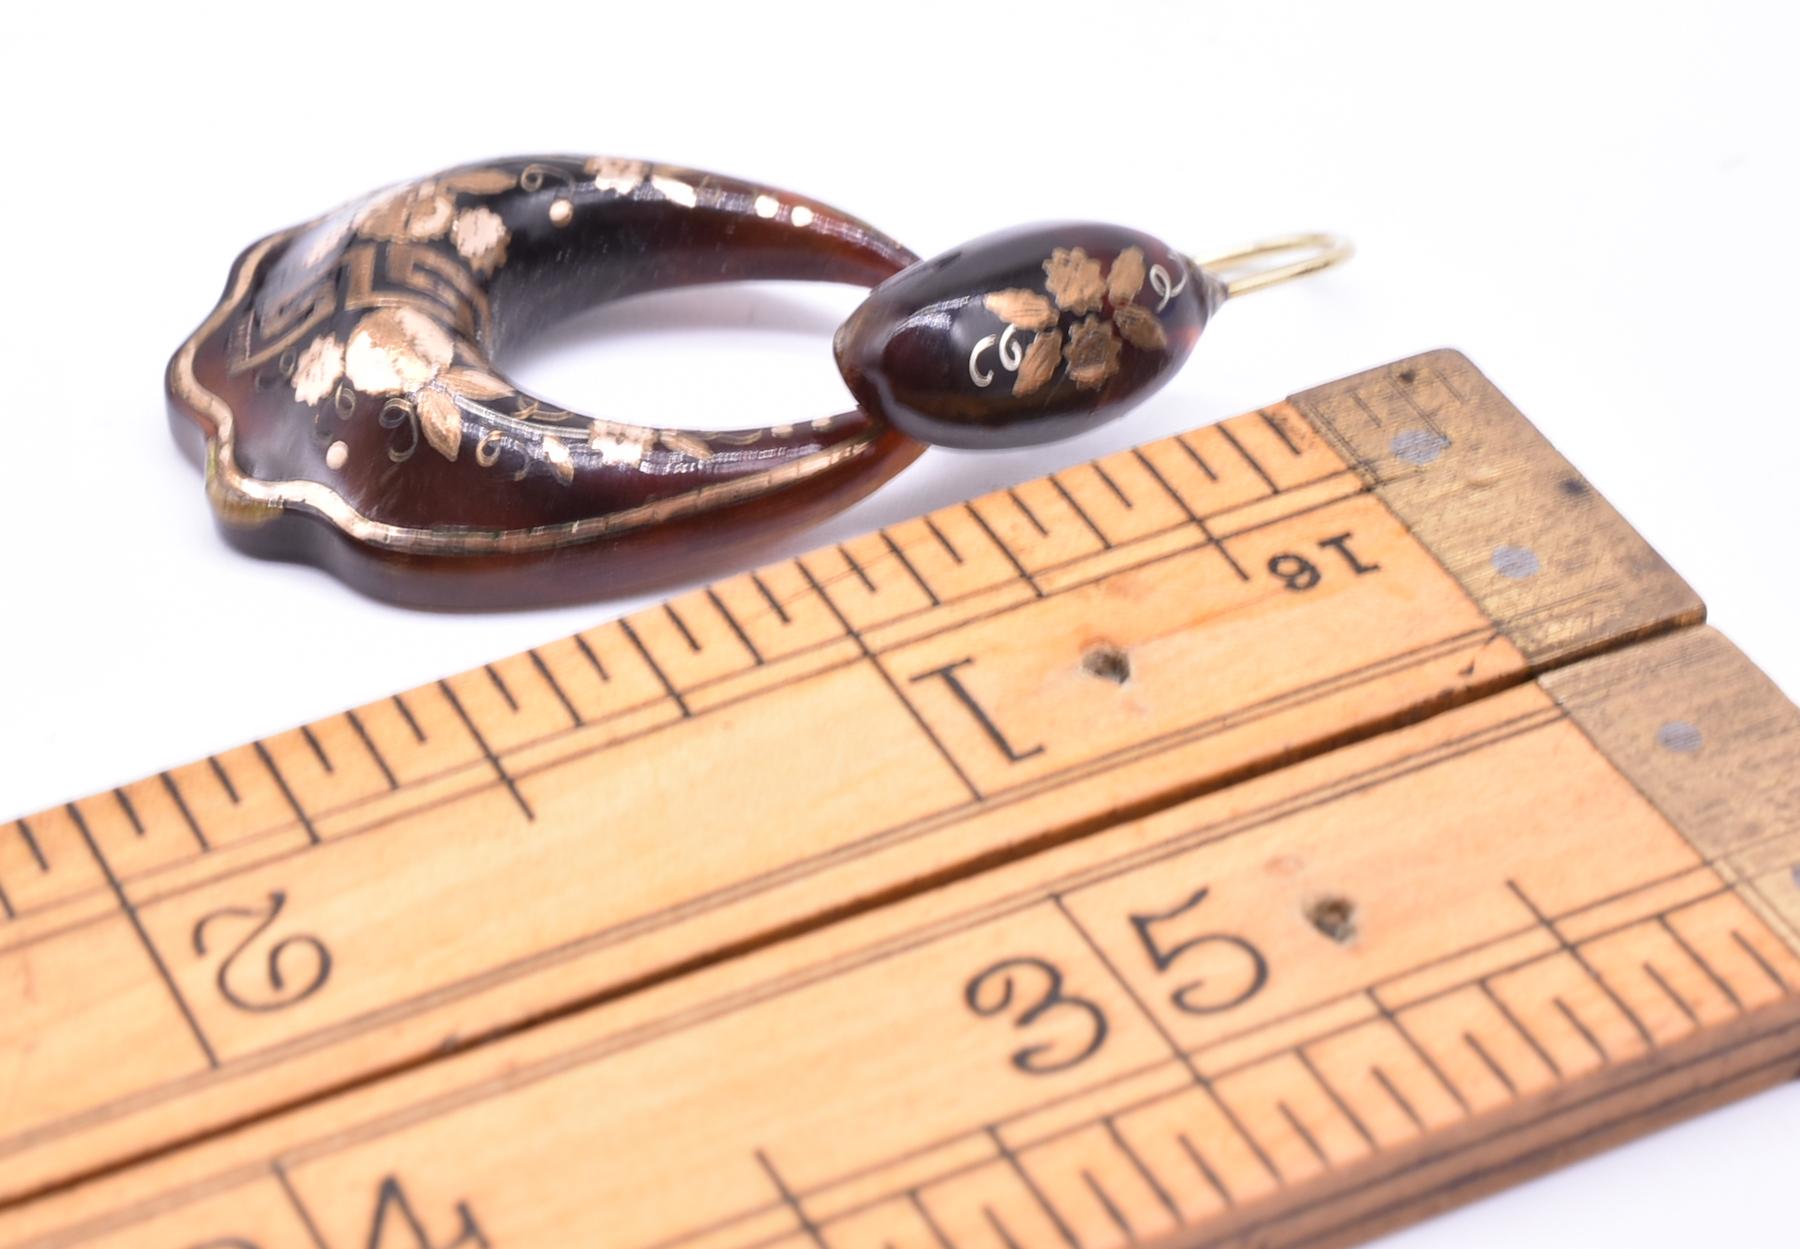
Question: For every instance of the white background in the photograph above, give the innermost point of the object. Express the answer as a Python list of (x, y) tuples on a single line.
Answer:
[(1596, 203)]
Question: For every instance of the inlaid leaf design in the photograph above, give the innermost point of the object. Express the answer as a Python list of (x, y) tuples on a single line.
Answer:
[(1041, 359), (475, 384), (1126, 278), (441, 420), (1141, 327), (1027, 310), (1073, 277), (479, 181)]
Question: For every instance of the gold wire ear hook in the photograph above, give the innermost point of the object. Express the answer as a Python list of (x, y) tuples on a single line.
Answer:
[(1253, 271)]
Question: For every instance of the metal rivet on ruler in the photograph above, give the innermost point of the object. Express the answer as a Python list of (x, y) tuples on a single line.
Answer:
[(1418, 446), (1515, 563), (1679, 736)]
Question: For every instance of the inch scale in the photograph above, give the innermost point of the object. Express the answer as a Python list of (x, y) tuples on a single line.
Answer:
[(1264, 836)]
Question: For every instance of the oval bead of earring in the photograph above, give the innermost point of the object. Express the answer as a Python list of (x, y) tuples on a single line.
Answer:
[(1025, 336)]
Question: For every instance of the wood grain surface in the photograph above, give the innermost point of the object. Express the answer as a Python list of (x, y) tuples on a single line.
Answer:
[(1230, 839)]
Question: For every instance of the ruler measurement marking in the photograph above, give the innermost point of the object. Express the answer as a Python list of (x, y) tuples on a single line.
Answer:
[(1195, 517), (1448, 385), (1200, 1164), (1487, 631), (1722, 984), (1506, 1012), (487, 750), (146, 1209), (1574, 951), (655, 668), (318, 750), (1280, 430), (1406, 1107), (262, 752), (1757, 957), (187, 813), (1106, 477), (1312, 1068), (1412, 401), (587, 652), (1026, 511), (407, 715), (131, 815), (1112, 570), (1252, 461), (1681, 1003), (1326, 794), (300, 1211), (969, 703), (1447, 991), (774, 603), (1018, 567), (379, 824), (1031, 1186), (506, 694), (756, 658), (1488, 1060), (1069, 498), (1199, 460), (931, 1224), (961, 1134), (999, 1228), (143, 935), (681, 627), (966, 1168), (368, 742), (224, 778), (31, 844), (537, 661), (907, 564), (1180, 1054), (1522, 1159), (1412, 1043), (792, 1202), (1301, 1130), (893, 686), (861, 574), (1219, 540), (955, 555), (1159, 479), (1162, 1194), (1356, 397), (1576, 1022), (1106, 1203)]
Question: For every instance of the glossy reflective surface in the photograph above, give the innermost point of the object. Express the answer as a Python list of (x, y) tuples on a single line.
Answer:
[(352, 414), (1025, 336)]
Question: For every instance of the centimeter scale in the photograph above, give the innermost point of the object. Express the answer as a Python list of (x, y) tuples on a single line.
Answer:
[(1262, 837)]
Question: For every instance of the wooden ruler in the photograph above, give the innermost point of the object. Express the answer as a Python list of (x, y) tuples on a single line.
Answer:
[(1270, 834)]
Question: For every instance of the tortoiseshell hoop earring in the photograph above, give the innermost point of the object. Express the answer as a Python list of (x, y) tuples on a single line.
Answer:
[(351, 415)]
